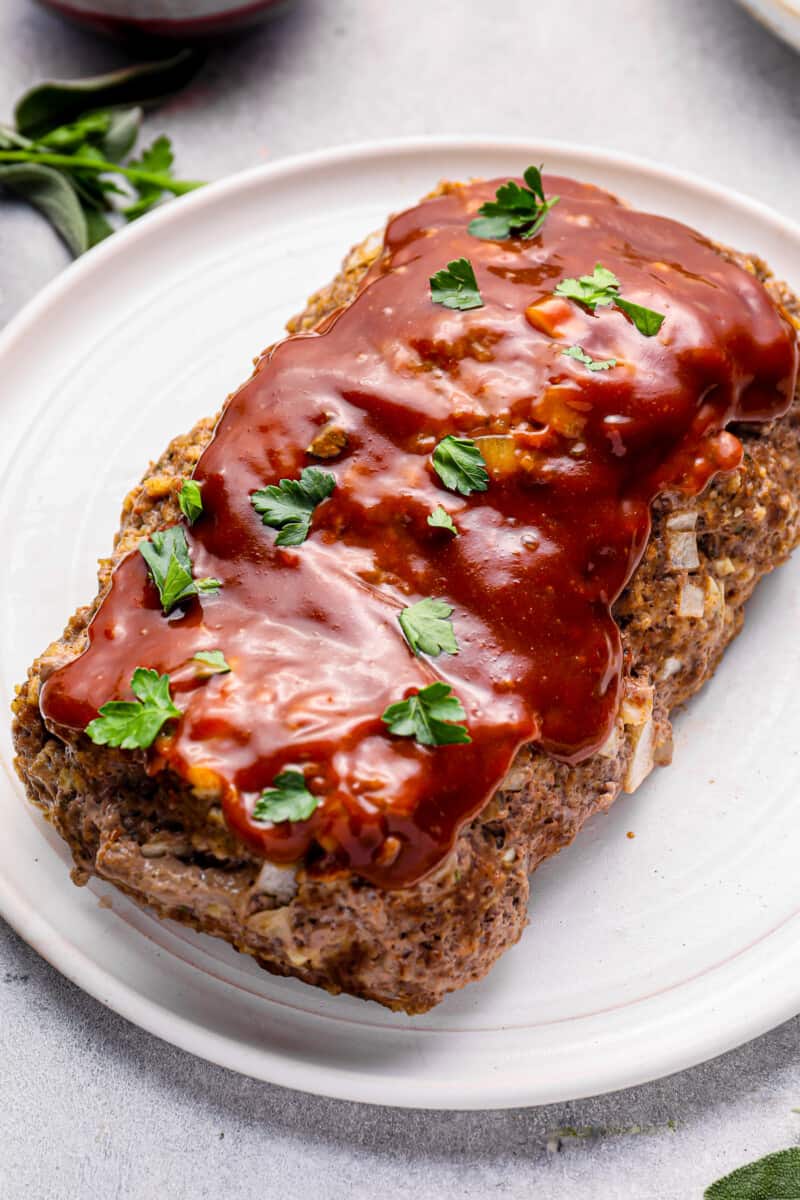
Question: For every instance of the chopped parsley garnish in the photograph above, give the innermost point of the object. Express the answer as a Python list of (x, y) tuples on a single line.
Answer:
[(212, 663), (591, 364), (440, 519), (287, 800), (460, 465), (288, 506), (516, 211), (427, 717), (167, 556), (601, 288), (190, 500), (135, 724), (455, 286), (427, 627)]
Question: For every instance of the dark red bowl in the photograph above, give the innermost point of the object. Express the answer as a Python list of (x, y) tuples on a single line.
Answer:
[(182, 19)]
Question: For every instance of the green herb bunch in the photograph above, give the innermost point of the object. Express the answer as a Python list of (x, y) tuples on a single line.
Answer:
[(68, 151)]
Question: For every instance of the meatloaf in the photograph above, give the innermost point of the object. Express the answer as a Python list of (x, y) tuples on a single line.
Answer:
[(167, 845)]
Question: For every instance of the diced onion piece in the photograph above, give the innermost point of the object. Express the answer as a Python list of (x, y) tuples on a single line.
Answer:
[(682, 521), (637, 706), (641, 761), (670, 666), (691, 601), (682, 550), (280, 882)]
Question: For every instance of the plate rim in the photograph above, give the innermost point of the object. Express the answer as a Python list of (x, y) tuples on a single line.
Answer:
[(223, 1049)]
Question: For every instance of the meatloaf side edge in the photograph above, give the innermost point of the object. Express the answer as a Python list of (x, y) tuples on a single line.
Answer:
[(168, 847)]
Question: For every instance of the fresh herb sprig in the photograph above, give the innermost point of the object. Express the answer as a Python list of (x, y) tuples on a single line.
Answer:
[(460, 465), (288, 506), (516, 211), (135, 724), (287, 800), (591, 364), (190, 500), (427, 627), (166, 553), (455, 286), (211, 662), (65, 153), (440, 519), (428, 717), (602, 288)]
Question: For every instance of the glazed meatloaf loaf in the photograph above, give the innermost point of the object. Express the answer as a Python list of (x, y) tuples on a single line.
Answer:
[(556, 438)]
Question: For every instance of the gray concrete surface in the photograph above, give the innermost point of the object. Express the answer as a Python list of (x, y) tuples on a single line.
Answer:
[(93, 1107)]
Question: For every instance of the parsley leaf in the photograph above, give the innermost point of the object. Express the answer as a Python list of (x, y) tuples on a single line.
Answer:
[(288, 505), (135, 724), (426, 717), (455, 286), (190, 500), (591, 364), (427, 627), (440, 519), (157, 159), (213, 663), (167, 556), (646, 320), (287, 800), (460, 465), (516, 210), (601, 288)]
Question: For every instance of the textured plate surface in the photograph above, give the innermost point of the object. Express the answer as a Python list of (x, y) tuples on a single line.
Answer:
[(644, 955)]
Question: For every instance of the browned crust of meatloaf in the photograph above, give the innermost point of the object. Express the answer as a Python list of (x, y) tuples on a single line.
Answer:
[(168, 847)]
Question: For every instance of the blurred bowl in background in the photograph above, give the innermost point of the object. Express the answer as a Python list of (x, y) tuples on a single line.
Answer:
[(183, 19), (781, 16)]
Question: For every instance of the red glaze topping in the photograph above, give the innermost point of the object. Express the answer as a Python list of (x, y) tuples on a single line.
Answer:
[(311, 632)]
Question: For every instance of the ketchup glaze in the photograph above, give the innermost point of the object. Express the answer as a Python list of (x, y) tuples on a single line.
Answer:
[(575, 459)]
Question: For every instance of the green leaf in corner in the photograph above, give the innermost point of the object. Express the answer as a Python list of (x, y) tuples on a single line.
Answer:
[(287, 800), (53, 195), (427, 715), (135, 724), (57, 102), (455, 286), (776, 1177), (427, 627)]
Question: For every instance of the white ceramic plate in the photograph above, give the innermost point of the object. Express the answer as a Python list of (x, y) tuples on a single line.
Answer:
[(781, 16), (644, 955)]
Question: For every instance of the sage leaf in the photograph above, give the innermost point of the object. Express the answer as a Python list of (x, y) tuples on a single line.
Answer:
[(59, 101), (122, 134), (55, 198), (776, 1177)]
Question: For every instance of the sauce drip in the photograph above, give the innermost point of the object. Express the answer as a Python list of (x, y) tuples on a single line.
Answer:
[(575, 460)]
